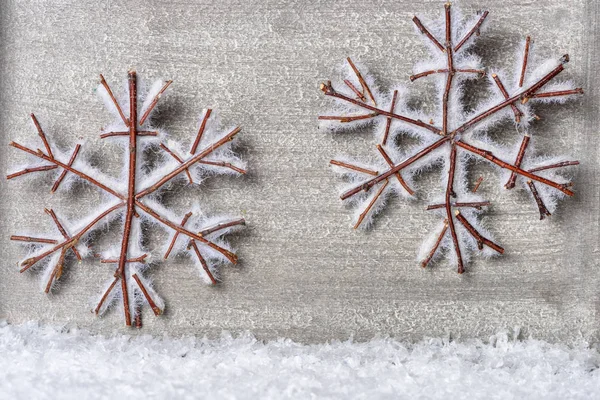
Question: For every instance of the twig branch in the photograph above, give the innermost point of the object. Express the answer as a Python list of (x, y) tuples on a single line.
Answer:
[(427, 260), (62, 230), (30, 239), (64, 172), (388, 160), (540, 203), (425, 32), (557, 165), (480, 239), (490, 157), (475, 204), (371, 204), (513, 176), (176, 234), (200, 131), (157, 311), (42, 136), (370, 183), (329, 91), (203, 262), (474, 30), (362, 81), (114, 100), (388, 124), (154, 102), (30, 170), (188, 163), (525, 59), (353, 167), (450, 193)]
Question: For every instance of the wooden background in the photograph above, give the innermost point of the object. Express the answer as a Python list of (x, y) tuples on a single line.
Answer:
[(304, 273)]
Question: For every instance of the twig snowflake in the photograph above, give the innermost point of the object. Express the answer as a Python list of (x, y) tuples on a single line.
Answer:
[(134, 198), (452, 136)]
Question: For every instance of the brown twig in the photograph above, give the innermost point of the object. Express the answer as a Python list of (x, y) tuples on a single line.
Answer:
[(360, 95), (427, 260), (30, 170), (353, 167), (450, 74), (130, 193), (370, 183), (176, 234), (480, 239), (475, 204), (474, 30), (347, 119), (427, 73), (178, 159), (64, 172), (68, 168), (157, 311), (154, 102), (20, 238), (362, 81), (224, 165), (105, 295), (523, 96), (556, 165), (114, 100), (203, 262), (516, 111), (62, 230), (477, 184), (513, 176), (490, 157), (139, 133), (139, 259), (525, 59), (425, 32), (388, 160), (229, 255), (201, 131), (329, 91), (540, 203), (222, 225), (450, 193), (389, 120), (30, 262), (557, 93), (191, 161), (370, 205), (42, 136)]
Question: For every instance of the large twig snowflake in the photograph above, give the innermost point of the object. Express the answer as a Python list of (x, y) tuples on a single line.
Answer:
[(452, 136), (134, 198)]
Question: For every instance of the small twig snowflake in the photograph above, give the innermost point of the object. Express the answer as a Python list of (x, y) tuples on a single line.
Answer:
[(134, 198), (451, 136)]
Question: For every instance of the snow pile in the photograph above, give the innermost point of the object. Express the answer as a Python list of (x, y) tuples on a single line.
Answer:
[(43, 362)]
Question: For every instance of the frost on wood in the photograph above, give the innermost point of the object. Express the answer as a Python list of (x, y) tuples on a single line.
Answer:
[(133, 199), (452, 136)]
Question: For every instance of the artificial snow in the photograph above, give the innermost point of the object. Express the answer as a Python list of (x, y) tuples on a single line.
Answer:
[(39, 362)]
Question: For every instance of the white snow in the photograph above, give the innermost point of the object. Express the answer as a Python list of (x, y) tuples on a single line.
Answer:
[(38, 362)]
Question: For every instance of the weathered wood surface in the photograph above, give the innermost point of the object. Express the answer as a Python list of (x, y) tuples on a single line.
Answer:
[(304, 272)]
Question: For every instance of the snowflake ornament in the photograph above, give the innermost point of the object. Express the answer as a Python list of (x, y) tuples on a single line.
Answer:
[(452, 136), (134, 199)]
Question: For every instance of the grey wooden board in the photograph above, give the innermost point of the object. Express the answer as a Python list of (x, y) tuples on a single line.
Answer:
[(304, 272)]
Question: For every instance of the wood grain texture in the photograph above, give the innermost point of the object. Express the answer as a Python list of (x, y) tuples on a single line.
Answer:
[(304, 272)]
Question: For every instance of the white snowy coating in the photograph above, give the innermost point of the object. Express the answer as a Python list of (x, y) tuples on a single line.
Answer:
[(220, 159), (44, 362), (368, 203)]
